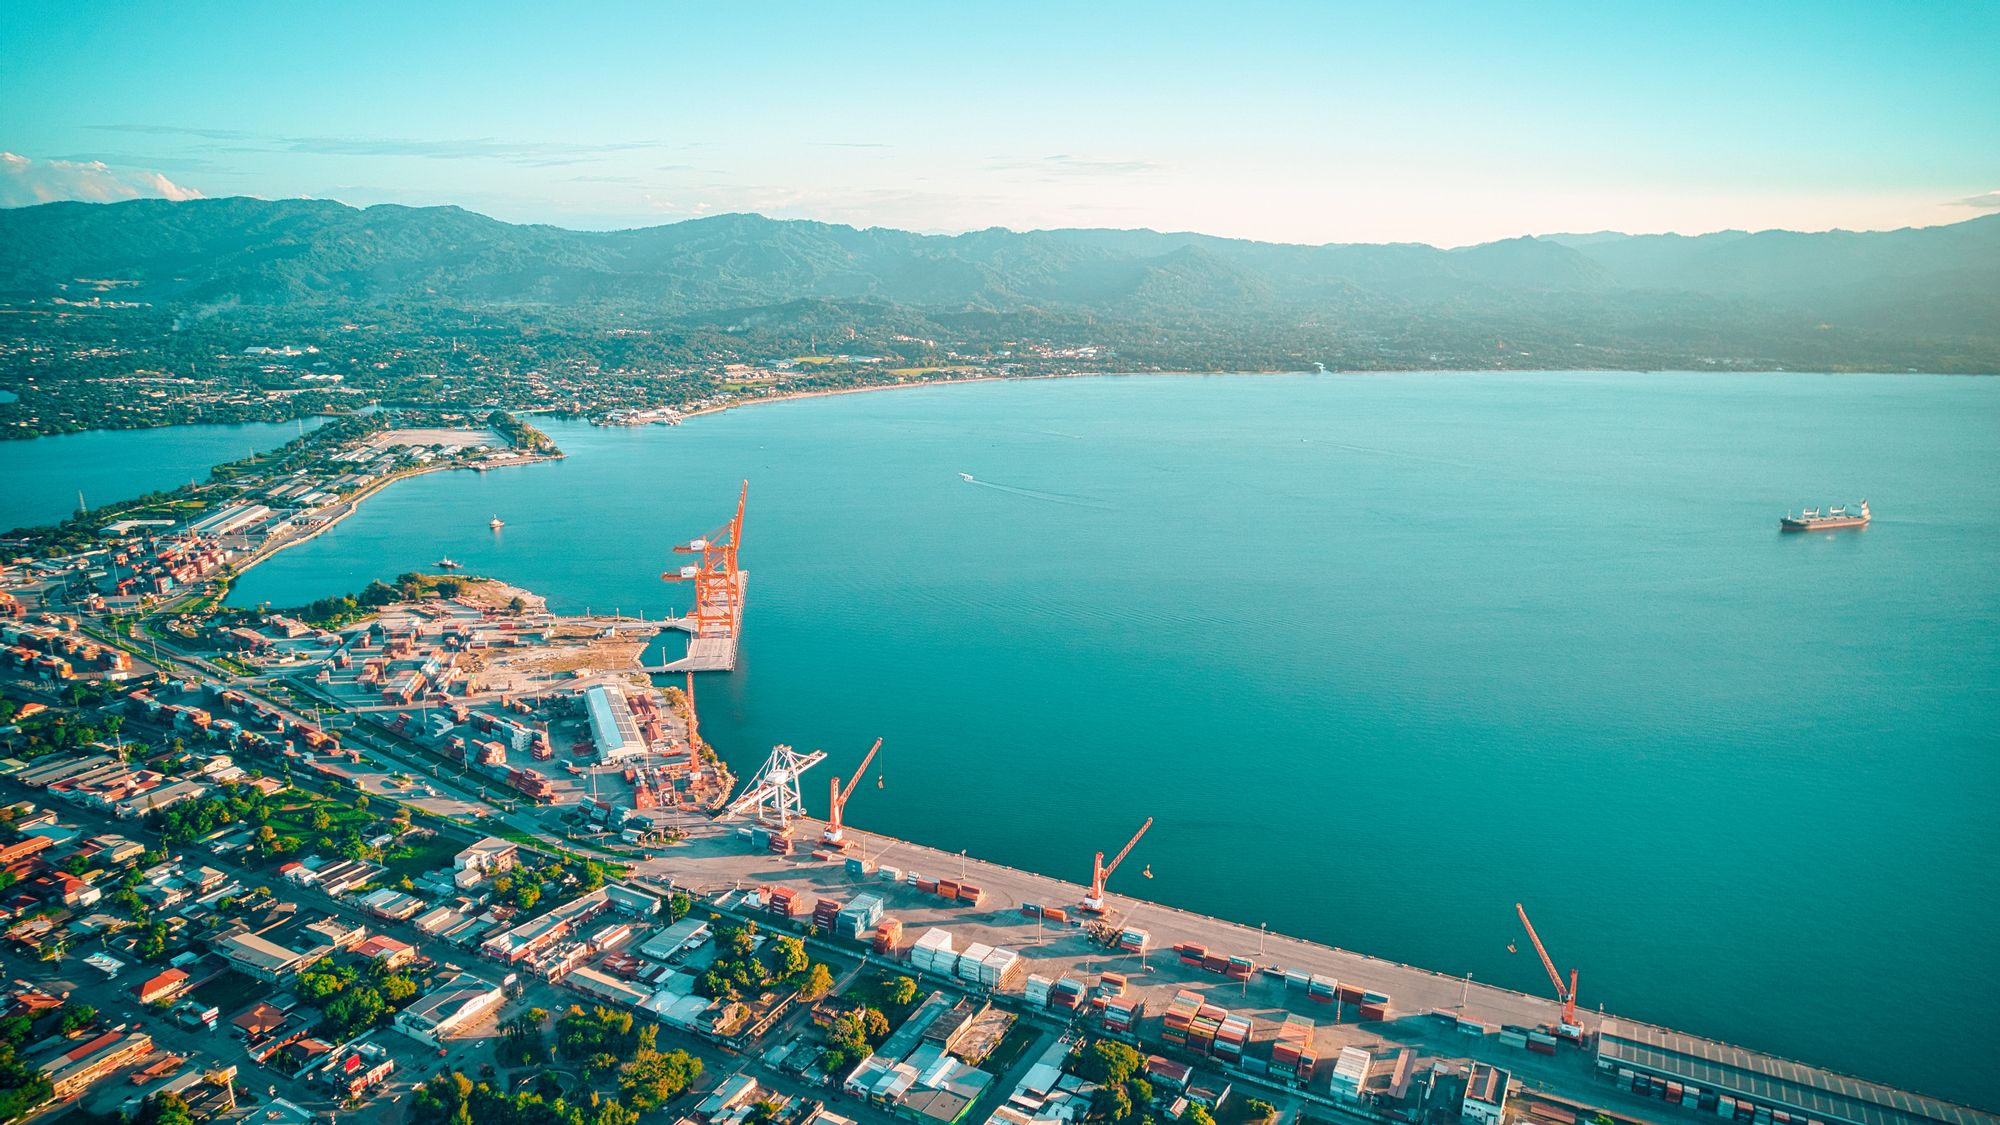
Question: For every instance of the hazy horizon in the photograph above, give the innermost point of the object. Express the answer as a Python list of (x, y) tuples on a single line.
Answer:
[(1165, 232), (1297, 123)]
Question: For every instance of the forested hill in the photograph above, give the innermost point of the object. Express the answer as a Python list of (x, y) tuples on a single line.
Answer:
[(1926, 298)]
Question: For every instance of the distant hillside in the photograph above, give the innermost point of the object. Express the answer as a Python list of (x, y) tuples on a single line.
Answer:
[(1920, 298)]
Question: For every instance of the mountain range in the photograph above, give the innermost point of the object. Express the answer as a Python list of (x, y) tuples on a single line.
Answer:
[(1927, 297)]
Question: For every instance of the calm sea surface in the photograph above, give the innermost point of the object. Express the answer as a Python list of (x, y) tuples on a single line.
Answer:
[(40, 477), (1382, 654)]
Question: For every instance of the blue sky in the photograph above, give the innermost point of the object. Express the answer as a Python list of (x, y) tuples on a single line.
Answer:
[(1442, 123)]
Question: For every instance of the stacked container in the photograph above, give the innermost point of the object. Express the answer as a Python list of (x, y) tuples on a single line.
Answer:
[(1123, 1013), (1375, 1006), (1180, 1014), (1003, 971), (1320, 989), (889, 937), (1231, 1037), (1203, 1028), (1292, 1056), (825, 912), (858, 868), (1111, 984), (889, 874), (1192, 954), (1240, 968), (859, 920), (1068, 993), (1134, 941), (970, 960), (1038, 989), (933, 952), (786, 902)]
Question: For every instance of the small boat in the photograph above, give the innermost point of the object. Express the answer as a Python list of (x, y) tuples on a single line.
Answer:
[(1812, 519), (496, 523), (967, 478), (449, 563)]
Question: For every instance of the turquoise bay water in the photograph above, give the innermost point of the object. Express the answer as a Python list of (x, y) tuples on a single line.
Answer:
[(40, 477), (1383, 655)]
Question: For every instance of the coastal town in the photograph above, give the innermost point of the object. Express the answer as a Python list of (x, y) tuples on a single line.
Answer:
[(431, 852)]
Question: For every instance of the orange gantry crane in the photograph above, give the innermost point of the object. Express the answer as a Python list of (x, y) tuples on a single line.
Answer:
[(1100, 871), (835, 833), (1567, 1028), (718, 584), (694, 733)]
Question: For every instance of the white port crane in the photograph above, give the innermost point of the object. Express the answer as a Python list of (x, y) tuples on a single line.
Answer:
[(774, 792)]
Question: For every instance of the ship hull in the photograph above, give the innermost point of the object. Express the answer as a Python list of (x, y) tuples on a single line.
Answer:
[(1820, 525)]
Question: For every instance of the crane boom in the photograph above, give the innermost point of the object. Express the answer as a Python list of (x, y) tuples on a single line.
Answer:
[(836, 804), (1128, 847), (1100, 873), (1554, 976), (859, 770), (1564, 993)]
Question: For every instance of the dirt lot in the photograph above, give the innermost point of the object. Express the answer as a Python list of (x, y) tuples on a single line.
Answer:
[(439, 436)]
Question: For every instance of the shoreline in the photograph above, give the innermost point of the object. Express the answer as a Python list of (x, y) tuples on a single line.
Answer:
[(1330, 372), (352, 504)]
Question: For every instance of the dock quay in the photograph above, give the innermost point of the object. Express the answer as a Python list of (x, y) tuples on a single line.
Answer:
[(707, 651), (1622, 1065)]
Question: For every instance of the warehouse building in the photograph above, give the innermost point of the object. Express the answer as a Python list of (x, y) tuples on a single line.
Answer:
[(1730, 1083), (451, 1005), (612, 726)]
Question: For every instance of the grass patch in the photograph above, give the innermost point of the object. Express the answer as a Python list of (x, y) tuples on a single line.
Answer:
[(1012, 1046), (425, 855)]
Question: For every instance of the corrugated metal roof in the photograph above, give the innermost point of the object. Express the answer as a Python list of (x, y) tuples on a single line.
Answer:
[(1780, 1083)]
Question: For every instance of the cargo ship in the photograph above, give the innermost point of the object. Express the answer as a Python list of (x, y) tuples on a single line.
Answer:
[(1812, 519)]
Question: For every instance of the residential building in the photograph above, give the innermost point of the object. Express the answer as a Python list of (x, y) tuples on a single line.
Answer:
[(490, 856)]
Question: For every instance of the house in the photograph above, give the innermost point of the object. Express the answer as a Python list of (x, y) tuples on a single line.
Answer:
[(260, 1019), (490, 856), (62, 888), (115, 849), (433, 1017), (1485, 1095), (165, 986), (388, 950)]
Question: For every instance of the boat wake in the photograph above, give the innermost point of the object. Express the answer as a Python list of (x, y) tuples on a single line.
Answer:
[(1397, 453), (1035, 493)]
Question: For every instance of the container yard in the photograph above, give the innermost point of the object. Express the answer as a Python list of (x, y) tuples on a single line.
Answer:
[(1300, 1015)]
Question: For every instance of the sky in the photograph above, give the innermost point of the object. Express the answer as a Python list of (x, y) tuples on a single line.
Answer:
[(1297, 122)]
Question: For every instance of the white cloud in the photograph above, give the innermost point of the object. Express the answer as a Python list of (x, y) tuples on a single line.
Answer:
[(24, 182), (1990, 201)]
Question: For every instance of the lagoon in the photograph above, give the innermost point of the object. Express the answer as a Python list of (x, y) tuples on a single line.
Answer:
[(41, 477)]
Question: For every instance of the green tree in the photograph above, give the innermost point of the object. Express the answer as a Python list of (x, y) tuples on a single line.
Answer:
[(76, 1018), (899, 991), (1108, 1063), (790, 953), (818, 982), (654, 1078)]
